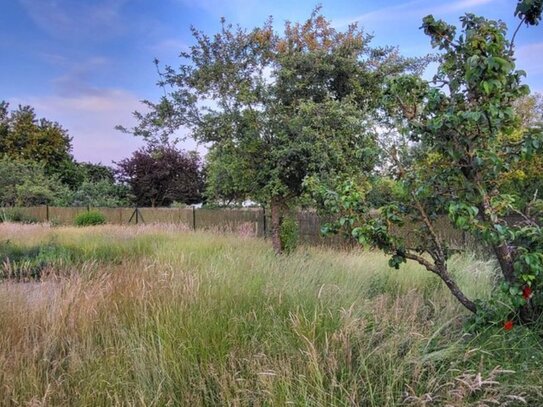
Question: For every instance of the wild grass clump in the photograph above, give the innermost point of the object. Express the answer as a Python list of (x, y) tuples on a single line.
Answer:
[(203, 319), (16, 216)]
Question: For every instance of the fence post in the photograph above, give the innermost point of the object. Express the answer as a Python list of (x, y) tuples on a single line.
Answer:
[(193, 217), (264, 222), (88, 208), (47, 213), (137, 215)]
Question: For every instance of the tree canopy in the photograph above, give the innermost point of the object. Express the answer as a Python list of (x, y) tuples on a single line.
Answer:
[(162, 175), (23, 136), (281, 107)]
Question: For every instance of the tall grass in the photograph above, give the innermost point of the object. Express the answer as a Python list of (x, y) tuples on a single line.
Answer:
[(148, 316)]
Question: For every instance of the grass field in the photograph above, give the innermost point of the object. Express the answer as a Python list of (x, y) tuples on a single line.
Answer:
[(157, 316)]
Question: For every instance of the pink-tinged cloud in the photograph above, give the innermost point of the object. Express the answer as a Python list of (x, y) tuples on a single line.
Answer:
[(91, 120)]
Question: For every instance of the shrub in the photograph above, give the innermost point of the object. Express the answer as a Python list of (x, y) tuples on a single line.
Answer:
[(289, 234), (90, 218)]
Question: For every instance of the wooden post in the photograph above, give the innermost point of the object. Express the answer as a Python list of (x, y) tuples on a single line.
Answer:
[(47, 213), (137, 215), (264, 221), (193, 217)]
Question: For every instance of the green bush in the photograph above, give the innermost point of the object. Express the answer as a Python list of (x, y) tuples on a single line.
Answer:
[(90, 218), (289, 234)]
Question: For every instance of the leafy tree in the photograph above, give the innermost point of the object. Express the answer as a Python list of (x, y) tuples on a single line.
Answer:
[(523, 179), (228, 176), (97, 172), (467, 137), (530, 110), (276, 108), (25, 137), (100, 193), (25, 183), (159, 176)]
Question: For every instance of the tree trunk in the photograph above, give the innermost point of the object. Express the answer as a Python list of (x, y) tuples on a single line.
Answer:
[(439, 257), (276, 220), (440, 268), (455, 290), (505, 256)]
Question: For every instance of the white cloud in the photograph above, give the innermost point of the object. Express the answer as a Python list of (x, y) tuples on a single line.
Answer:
[(76, 18), (530, 58), (462, 5), (218, 6), (91, 119), (167, 50), (237, 11), (77, 77), (411, 9)]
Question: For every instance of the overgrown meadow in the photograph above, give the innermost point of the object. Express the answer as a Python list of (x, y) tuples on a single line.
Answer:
[(152, 315)]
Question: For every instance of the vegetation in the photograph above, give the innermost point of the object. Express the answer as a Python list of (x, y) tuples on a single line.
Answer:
[(128, 315), (25, 183), (459, 138), (90, 218), (317, 109), (15, 215), (311, 116), (23, 136), (289, 234), (37, 168), (162, 175), (285, 106)]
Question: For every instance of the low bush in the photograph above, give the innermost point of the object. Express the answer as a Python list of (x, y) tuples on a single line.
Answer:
[(289, 234), (91, 218)]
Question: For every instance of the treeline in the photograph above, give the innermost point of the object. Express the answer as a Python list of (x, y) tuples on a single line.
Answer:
[(37, 168)]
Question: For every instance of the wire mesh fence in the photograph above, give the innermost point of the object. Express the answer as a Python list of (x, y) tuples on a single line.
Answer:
[(245, 221)]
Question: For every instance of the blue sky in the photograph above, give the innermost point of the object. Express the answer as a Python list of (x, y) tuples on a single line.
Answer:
[(88, 63)]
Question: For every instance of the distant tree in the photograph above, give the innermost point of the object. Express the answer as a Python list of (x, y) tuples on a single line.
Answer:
[(25, 137), (523, 179), (228, 176), (25, 183), (276, 108), (100, 193), (97, 172), (530, 110), (4, 116), (161, 175)]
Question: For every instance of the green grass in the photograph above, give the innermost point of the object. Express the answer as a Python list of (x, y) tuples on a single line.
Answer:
[(144, 316)]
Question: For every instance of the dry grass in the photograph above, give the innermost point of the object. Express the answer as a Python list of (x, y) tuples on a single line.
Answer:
[(154, 316)]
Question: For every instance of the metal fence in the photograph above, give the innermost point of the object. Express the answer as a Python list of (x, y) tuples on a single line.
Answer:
[(249, 221)]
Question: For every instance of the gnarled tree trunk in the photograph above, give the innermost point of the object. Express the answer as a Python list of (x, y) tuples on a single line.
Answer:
[(506, 258)]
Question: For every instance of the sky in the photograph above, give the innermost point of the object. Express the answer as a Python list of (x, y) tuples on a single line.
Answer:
[(87, 64)]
